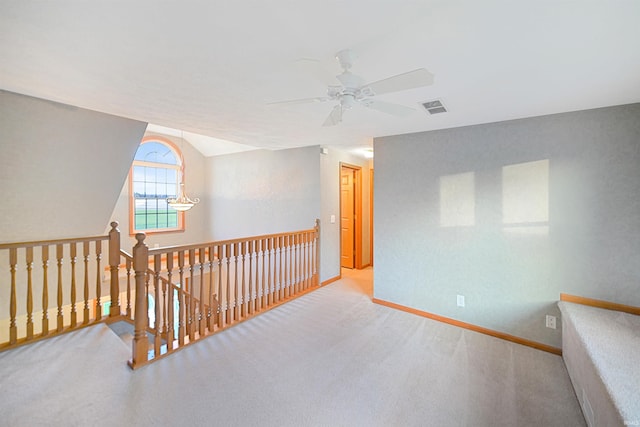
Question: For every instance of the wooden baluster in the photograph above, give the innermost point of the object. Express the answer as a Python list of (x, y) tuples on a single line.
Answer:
[(60, 319), (258, 277), (169, 306), (297, 263), (245, 295), (163, 286), (169, 314), (221, 297), (140, 347), (86, 282), (202, 315), (45, 290), (191, 328), (316, 247), (129, 264), (285, 266), (212, 295), (250, 295), (29, 260), (236, 300), (227, 315), (13, 304), (281, 286), (265, 279), (157, 328), (269, 289), (181, 301), (276, 285), (98, 280), (73, 253), (290, 265), (114, 263), (306, 261), (300, 264)]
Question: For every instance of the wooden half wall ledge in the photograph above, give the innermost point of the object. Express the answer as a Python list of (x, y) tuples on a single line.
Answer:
[(600, 304), (472, 327)]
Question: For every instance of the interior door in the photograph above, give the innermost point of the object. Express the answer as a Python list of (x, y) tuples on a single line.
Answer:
[(347, 217)]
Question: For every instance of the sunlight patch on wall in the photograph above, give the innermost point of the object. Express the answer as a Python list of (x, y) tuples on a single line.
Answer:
[(457, 200), (525, 197)]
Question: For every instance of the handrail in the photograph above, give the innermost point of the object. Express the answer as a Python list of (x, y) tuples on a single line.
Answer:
[(165, 249), (33, 244), (41, 306), (222, 283)]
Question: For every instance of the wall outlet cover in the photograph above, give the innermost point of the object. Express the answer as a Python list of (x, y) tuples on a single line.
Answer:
[(550, 321)]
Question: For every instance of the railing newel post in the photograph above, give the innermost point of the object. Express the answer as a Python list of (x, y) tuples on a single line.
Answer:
[(140, 346)]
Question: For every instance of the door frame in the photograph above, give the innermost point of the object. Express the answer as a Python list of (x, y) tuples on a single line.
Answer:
[(358, 211)]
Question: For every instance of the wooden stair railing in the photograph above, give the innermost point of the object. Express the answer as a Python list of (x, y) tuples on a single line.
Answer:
[(77, 288), (217, 284), (199, 289)]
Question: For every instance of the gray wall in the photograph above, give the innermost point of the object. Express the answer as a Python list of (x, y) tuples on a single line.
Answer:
[(61, 168), (261, 192), (438, 236)]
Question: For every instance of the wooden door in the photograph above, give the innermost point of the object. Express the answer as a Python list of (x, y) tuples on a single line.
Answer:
[(347, 217)]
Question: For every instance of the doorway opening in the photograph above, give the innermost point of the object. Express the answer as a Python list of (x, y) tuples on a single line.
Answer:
[(350, 216)]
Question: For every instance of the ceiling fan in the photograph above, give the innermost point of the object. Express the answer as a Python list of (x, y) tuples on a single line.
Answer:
[(354, 91)]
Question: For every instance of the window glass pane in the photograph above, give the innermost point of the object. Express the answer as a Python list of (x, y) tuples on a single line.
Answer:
[(161, 175), (162, 219), (138, 189), (173, 219), (150, 174), (152, 185), (156, 152), (139, 204), (172, 176), (150, 189), (141, 221), (138, 173)]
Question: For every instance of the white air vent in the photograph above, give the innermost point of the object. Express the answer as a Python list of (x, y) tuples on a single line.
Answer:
[(434, 107)]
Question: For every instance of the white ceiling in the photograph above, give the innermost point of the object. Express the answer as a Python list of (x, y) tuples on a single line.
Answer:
[(211, 67)]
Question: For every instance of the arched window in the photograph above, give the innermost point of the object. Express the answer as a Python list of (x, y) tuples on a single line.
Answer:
[(155, 175)]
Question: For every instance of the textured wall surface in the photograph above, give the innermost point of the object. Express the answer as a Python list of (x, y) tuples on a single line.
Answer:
[(61, 168), (261, 192), (510, 215)]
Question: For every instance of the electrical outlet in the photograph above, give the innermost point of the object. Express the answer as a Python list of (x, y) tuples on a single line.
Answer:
[(460, 300), (551, 321)]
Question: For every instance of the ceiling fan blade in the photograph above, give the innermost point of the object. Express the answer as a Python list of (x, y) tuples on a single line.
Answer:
[(335, 116), (387, 107), (300, 101), (315, 69), (416, 78)]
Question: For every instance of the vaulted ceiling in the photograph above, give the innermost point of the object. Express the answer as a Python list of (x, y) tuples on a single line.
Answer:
[(212, 67)]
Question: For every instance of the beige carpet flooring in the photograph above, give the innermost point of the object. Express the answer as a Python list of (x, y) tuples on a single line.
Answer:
[(329, 358)]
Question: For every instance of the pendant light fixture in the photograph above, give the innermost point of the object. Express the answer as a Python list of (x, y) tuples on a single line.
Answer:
[(182, 202)]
